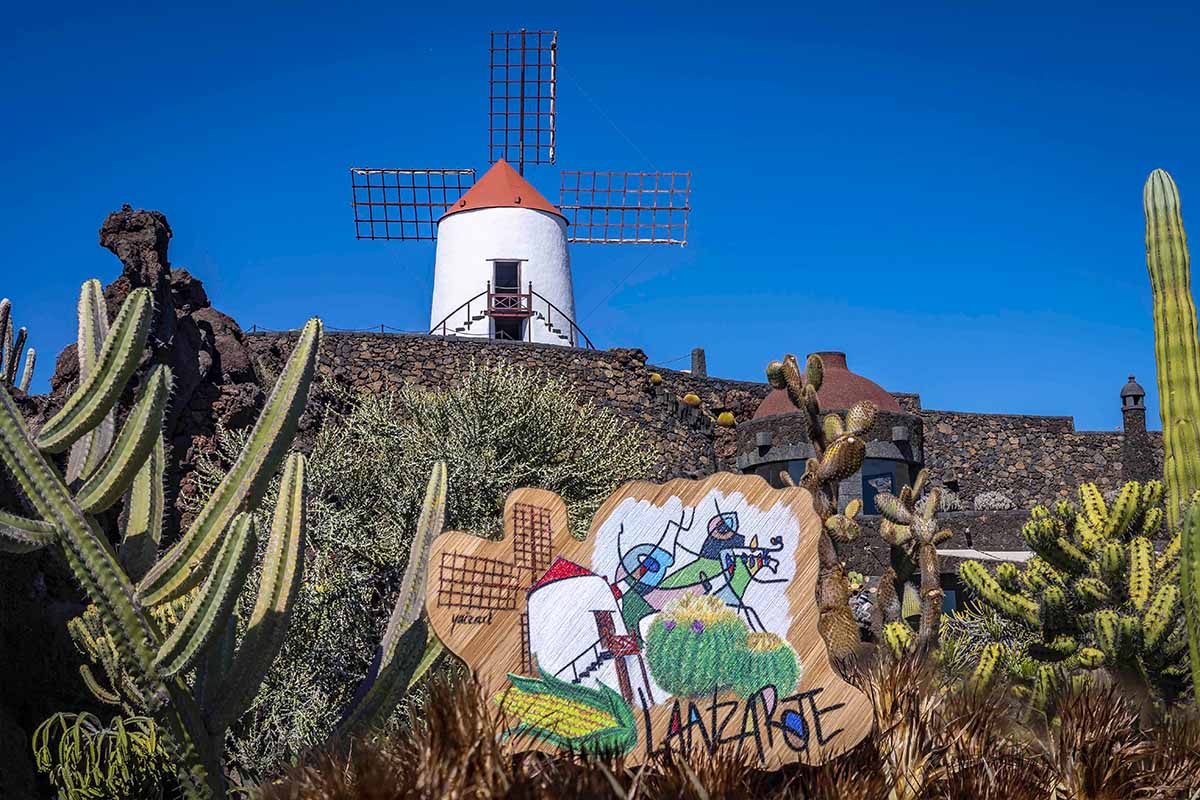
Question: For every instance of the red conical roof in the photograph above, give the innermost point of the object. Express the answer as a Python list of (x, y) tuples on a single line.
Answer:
[(560, 569), (502, 187)]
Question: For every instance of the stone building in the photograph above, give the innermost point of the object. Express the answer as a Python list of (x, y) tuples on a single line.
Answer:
[(1029, 459), (775, 440)]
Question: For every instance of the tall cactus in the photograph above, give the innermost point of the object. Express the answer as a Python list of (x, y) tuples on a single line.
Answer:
[(838, 453), (11, 345), (1177, 356), (1176, 350), (156, 639)]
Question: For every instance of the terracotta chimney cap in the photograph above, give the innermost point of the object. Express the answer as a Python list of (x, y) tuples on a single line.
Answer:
[(840, 389)]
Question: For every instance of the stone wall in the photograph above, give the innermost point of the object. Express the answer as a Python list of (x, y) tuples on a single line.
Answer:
[(1030, 458), (687, 440)]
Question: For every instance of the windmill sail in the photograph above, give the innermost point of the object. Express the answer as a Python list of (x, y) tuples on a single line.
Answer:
[(404, 203), (523, 81), (626, 207)]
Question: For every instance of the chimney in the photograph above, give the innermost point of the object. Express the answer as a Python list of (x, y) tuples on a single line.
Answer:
[(699, 367), (1133, 407)]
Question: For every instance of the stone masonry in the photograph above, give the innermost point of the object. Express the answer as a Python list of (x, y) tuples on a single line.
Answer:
[(1030, 458)]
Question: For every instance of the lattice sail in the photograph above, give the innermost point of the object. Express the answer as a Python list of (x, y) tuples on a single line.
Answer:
[(522, 83), (626, 207), (404, 203)]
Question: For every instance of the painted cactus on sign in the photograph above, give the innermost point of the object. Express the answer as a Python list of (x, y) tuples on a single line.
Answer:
[(689, 609)]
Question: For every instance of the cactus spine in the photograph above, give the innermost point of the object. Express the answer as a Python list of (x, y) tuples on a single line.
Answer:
[(1189, 562), (1176, 350)]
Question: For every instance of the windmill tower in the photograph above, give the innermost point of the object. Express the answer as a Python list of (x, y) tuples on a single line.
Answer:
[(503, 266)]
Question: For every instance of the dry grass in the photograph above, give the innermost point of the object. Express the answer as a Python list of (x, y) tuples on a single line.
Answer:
[(932, 742)]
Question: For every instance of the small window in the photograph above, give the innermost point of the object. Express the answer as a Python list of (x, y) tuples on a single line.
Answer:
[(507, 277)]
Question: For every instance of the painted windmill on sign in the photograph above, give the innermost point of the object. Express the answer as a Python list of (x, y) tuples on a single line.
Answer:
[(503, 270)]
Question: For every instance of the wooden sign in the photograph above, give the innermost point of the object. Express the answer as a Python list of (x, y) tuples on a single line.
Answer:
[(687, 619)]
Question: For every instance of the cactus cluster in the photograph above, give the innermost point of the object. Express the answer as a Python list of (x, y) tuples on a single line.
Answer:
[(161, 627), (11, 345), (698, 646), (85, 759), (838, 453), (910, 586), (1097, 594)]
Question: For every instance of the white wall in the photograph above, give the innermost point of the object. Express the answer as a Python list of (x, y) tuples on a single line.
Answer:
[(562, 625), (467, 239)]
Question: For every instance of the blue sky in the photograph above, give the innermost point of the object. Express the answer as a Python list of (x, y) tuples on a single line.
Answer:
[(951, 196)]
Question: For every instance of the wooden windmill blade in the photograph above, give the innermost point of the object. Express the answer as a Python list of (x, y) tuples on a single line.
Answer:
[(522, 89), (404, 203), (626, 207)]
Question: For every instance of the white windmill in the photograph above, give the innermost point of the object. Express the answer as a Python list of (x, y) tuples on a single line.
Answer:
[(503, 268)]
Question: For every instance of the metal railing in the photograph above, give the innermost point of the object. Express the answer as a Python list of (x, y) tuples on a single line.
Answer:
[(505, 304), (509, 304)]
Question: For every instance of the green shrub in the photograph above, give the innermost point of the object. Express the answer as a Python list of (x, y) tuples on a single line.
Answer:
[(498, 429), (967, 631)]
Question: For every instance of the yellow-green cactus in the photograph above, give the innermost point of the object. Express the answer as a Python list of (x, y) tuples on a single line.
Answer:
[(985, 671), (1096, 594), (1176, 350), (899, 638)]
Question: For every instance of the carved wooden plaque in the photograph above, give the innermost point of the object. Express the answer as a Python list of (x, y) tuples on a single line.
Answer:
[(687, 619)]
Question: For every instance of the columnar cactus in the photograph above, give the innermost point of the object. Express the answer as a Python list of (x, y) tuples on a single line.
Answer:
[(1096, 592), (1177, 356), (154, 625), (1176, 350), (839, 451), (11, 346), (911, 584)]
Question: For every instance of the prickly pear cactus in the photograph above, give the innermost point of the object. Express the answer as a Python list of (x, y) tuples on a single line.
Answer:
[(1098, 595), (839, 453), (910, 586)]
